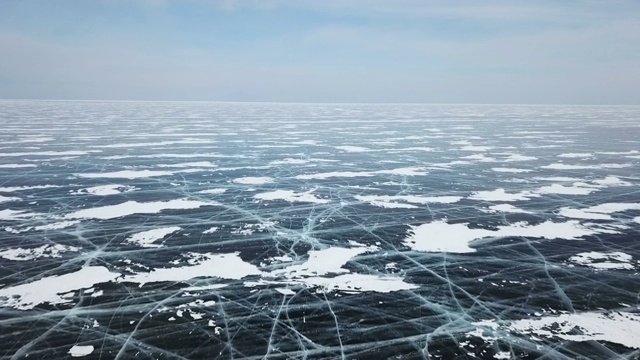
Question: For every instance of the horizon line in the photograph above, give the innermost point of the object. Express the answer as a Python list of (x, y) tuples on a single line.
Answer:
[(309, 102)]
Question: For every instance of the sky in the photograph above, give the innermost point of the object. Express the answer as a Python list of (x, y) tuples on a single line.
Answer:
[(381, 51)]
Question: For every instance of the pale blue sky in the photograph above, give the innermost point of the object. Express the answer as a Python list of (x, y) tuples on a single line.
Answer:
[(467, 51)]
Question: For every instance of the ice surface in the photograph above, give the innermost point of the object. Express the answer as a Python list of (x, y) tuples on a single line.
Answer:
[(169, 230)]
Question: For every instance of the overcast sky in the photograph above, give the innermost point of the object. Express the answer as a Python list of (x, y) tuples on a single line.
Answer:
[(466, 51)]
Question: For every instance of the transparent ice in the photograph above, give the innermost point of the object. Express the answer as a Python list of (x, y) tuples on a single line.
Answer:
[(160, 230)]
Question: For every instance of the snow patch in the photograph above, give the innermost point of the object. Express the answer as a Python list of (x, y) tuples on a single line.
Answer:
[(147, 238), (134, 207)]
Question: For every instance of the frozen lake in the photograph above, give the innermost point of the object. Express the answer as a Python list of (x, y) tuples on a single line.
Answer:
[(159, 230)]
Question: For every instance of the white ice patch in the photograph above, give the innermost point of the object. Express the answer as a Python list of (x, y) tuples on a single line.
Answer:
[(104, 190), (57, 225), (358, 283), (575, 155), (598, 212), (611, 181), (560, 166), (597, 260), (502, 355), (440, 236), (314, 273), (9, 198), (212, 191), (17, 166), (335, 174), (326, 261), (291, 196), (202, 164), (52, 153), (159, 143), (615, 327), (575, 189), (285, 291), (53, 251), (225, 266), (506, 208), (349, 148), (134, 207), (399, 201), (21, 188), (147, 238), (211, 230), (80, 350), (257, 180), (406, 171), (53, 288), (556, 178), (125, 174), (289, 161), (501, 195), (510, 170), (479, 157), (14, 215), (476, 148), (582, 214)]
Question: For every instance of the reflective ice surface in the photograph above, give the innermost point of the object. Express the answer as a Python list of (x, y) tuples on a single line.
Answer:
[(220, 230)]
